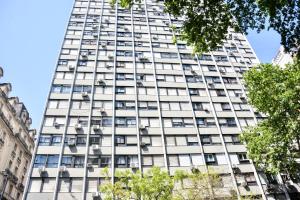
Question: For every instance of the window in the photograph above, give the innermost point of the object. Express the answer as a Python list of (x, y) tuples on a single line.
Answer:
[(125, 122), (243, 158), (205, 122), (227, 122), (125, 105), (50, 161), (73, 161), (50, 140), (225, 106), (82, 88), (210, 159), (206, 139), (61, 88), (125, 161)]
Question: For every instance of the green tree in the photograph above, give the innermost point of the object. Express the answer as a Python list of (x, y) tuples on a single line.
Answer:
[(157, 184), (154, 184), (275, 142), (206, 22)]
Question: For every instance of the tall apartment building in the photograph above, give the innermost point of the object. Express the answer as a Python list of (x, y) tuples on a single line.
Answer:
[(16, 144), (125, 96), (282, 58)]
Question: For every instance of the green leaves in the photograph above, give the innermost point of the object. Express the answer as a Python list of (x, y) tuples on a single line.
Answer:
[(206, 22), (156, 184), (274, 143)]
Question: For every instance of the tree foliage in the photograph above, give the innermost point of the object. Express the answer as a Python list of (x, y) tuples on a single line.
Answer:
[(206, 22), (274, 143), (157, 184)]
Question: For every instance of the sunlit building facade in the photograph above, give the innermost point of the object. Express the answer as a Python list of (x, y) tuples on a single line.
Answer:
[(124, 96)]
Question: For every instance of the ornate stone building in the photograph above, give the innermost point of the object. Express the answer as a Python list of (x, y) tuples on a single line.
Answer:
[(16, 144)]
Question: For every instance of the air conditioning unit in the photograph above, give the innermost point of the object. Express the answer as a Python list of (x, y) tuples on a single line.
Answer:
[(155, 38), (235, 168), (84, 53), (84, 94), (71, 142), (134, 165), (142, 58), (289, 183), (143, 144), (206, 109), (95, 27), (193, 72), (96, 127), (222, 70), (62, 169), (89, 165), (56, 125), (101, 82), (106, 20), (242, 97), (95, 147), (139, 82), (244, 184), (138, 36), (210, 84), (102, 111), (95, 19), (109, 66), (78, 126), (71, 67), (110, 57), (230, 53), (42, 169), (142, 127), (103, 44), (96, 194), (95, 35)]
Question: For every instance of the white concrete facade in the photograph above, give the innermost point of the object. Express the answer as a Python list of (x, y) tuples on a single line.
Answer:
[(125, 96)]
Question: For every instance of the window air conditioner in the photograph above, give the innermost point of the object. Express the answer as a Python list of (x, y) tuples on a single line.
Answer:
[(71, 142), (96, 127), (89, 165), (244, 183), (242, 97), (56, 125), (193, 72), (134, 165), (143, 144), (235, 168), (142, 127), (71, 67), (139, 82), (103, 44), (95, 147), (95, 27), (95, 194), (84, 94), (95, 35), (78, 126), (101, 82), (42, 169), (110, 57), (62, 168), (206, 109), (222, 70)]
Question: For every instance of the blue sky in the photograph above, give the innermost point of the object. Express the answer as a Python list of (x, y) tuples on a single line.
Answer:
[(30, 39)]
